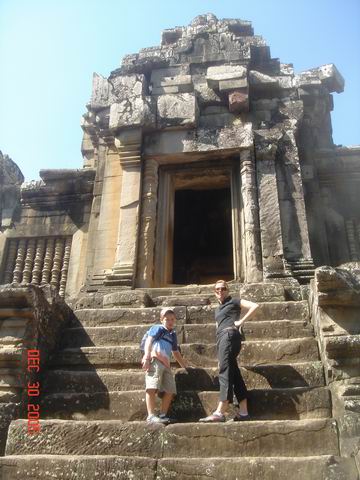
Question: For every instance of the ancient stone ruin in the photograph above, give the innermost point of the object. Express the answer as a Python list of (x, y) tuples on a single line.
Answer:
[(204, 158)]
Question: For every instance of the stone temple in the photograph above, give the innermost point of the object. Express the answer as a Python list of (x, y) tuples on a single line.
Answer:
[(204, 158)]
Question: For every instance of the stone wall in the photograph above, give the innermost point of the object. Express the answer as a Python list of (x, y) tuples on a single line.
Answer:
[(31, 318), (335, 297), (44, 242)]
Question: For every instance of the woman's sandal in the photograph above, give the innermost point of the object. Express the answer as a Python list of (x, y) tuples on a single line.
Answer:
[(214, 417)]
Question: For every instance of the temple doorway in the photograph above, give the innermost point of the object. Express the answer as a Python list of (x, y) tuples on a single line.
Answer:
[(198, 229), (202, 242)]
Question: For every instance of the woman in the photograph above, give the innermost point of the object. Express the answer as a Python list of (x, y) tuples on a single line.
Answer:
[(228, 343)]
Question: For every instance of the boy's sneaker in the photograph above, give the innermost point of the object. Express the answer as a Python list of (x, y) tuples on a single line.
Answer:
[(167, 419), (156, 419)]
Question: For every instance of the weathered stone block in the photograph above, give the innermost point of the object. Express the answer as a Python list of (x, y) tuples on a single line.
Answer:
[(80, 467), (124, 316), (74, 438), (206, 95), (259, 80), (320, 467), (338, 286), (133, 112), (275, 438), (183, 83), (328, 75), (159, 74), (177, 110), (165, 90), (229, 85), (224, 72), (129, 298), (228, 138), (238, 102), (101, 94), (128, 86), (262, 292)]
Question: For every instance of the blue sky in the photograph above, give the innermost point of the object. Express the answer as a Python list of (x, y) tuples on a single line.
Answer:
[(49, 50)]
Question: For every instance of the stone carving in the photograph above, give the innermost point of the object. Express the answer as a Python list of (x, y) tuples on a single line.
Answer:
[(65, 267), (11, 179), (148, 224), (30, 261), (177, 109), (56, 266), (38, 262), (251, 218), (49, 254)]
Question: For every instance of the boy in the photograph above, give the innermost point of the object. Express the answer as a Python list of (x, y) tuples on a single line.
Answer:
[(161, 341)]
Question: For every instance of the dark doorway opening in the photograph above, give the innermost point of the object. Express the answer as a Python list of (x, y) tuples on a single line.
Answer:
[(202, 236)]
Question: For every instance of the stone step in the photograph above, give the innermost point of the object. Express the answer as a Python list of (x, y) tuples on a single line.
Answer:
[(83, 467), (10, 395), (16, 312), (276, 404), (185, 300), (10, 356), (266, 311), (205, 333), (258, 292), (199, 355), (342, 346), (190, 314), (93, 317), (12, 330), (309, 374), (279, 438)]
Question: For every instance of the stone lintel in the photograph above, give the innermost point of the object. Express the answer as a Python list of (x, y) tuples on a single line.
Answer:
[(230, 138)]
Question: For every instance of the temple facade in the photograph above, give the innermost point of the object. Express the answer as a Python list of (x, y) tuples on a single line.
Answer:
[(204, 158)]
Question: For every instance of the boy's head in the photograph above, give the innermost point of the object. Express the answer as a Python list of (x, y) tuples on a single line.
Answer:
[(168, 318)]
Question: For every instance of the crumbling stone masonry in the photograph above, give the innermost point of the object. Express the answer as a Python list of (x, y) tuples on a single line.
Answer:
[(204, 158)]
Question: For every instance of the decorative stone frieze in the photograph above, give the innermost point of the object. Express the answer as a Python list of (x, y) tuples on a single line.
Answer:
[(38, 261)]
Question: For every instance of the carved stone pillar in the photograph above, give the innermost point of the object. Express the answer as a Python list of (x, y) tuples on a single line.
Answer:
[(38, 261), (146, 249), (129, 147), (253, 267), (292, 202), (270, 221)]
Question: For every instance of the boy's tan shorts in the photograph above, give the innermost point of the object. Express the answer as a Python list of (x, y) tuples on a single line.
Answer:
[(159, 377)]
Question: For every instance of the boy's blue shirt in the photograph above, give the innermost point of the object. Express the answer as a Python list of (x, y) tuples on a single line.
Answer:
[(163, 347)]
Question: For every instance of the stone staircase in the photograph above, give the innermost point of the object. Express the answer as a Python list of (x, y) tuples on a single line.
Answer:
[(94, 409)]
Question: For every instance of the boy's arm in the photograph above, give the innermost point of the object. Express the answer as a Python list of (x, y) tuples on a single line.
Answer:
[(180, 359), (147, 353)]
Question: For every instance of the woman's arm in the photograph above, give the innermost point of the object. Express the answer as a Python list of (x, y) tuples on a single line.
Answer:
[(250, 307)]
